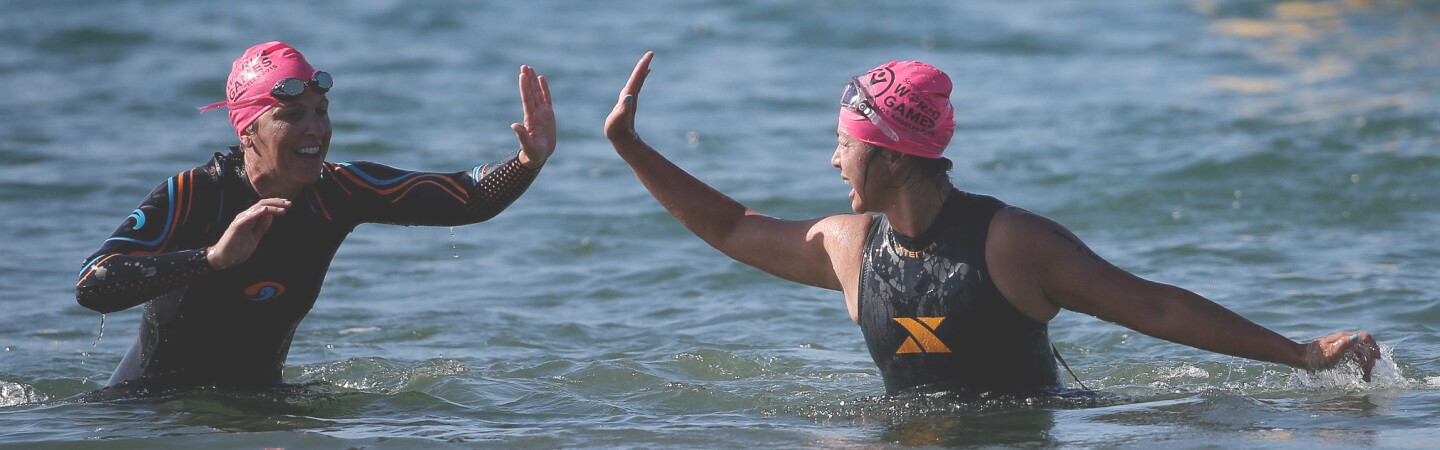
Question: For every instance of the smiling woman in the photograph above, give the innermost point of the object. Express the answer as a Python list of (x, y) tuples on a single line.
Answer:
[(225, 262)]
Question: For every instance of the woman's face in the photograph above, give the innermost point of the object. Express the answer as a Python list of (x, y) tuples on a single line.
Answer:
[(286, 151), (852, 157)]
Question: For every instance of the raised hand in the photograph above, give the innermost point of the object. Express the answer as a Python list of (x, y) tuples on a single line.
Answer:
[(537, 134), (244, 233), (620, 125)]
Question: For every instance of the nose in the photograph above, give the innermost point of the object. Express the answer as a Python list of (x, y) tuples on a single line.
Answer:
[(835, 158), (317, 125)]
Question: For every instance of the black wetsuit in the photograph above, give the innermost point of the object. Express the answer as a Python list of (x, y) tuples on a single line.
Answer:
[(933, 318), (232, 327)]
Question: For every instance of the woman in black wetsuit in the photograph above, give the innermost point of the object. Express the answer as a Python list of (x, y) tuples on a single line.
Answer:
[(952, 290), (228, 257)]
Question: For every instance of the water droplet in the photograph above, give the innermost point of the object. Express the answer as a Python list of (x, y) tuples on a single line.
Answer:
[(454, 248), (1238, 193), (1175, 215), (7, 349), (102, 332), (692, 139), (1355, 178), (329, 346)]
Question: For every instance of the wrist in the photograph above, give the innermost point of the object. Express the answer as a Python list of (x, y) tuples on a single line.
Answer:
[(212, 257), (528, 162), (1307, 355)]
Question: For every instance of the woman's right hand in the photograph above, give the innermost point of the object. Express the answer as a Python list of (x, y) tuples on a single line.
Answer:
[(620, 125), (244, 233)]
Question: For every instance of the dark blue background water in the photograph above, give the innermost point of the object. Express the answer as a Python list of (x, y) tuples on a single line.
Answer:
[(1280, 158)]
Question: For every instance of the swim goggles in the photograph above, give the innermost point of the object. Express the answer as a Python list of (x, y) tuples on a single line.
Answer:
[(286, 89), (856, 99), (289, 88)]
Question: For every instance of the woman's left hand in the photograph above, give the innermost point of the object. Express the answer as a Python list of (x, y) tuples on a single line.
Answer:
[(537, 134)]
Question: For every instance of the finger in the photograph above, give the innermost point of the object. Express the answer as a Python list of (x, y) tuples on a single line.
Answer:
[(527, 100), (532, 87), (637, 77), (274, 201), (1370, 353), (545, 90), (265, 207), (522, 134)]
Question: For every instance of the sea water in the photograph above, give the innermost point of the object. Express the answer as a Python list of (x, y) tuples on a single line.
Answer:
[(1280, 158)]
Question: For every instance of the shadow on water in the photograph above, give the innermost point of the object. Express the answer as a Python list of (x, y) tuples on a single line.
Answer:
[(284, 408), (945, 419)]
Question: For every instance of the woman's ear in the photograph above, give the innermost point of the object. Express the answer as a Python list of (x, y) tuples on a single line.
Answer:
[(899, 162)]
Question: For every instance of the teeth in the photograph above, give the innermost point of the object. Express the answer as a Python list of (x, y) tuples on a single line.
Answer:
[(309, 151)]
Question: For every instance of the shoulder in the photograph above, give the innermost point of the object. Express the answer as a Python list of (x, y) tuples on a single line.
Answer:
[(843, 226), (1021, 250), (1019, 233), (187, 182), (367, 172), (844, 237)]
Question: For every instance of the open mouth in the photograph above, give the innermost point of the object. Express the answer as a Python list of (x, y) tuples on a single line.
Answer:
[(309, 152)]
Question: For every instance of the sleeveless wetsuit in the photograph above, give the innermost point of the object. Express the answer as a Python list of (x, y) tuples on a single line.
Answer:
[(232, 327), (931, 314)]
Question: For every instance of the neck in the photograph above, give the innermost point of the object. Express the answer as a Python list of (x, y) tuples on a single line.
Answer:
[(916, 207), (267, 188)]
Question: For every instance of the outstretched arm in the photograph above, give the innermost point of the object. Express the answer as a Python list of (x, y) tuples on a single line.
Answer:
[(404, 197), (1041, 266), (818, 252)]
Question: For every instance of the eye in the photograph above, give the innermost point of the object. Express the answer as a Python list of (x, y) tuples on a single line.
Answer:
[(289, 114)]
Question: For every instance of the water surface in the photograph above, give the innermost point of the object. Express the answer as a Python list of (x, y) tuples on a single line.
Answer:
[(1278, 157)]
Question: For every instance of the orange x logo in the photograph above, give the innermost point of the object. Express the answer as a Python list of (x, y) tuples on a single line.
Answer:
[(922, 335)]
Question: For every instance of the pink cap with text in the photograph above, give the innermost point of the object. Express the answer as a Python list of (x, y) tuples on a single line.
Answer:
[(247, 90), (913, 98)]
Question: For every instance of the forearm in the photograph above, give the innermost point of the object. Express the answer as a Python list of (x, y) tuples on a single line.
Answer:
[(708, 213), (497, 185), (1190, 319), (117, 282)]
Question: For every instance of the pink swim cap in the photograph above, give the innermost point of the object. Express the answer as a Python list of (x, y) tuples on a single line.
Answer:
[(913, 99), (247, 90)]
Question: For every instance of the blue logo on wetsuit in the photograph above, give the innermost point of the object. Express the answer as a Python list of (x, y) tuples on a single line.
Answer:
[(264, 290)]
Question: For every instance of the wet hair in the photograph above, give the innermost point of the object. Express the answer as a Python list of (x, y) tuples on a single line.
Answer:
[(934, 169)]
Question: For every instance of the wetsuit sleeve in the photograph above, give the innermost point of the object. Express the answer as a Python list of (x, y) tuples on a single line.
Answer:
[(138, 262), (388, 195)]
